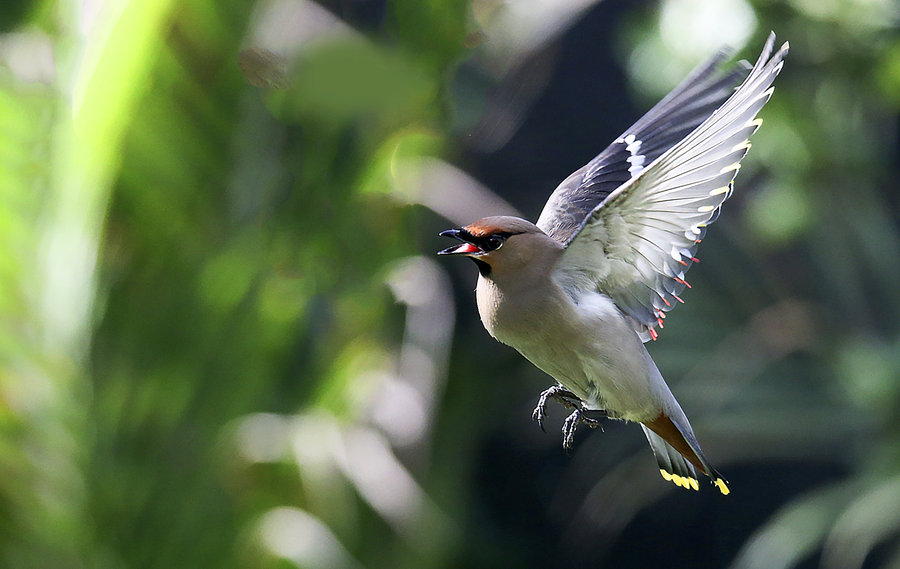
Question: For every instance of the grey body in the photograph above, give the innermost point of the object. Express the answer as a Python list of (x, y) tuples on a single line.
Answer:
[(581, 339)]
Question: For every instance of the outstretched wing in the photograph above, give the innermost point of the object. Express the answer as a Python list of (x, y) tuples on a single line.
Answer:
[(638, 243), (673, 118)]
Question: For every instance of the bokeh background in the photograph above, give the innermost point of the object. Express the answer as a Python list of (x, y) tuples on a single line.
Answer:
[(226, 342)]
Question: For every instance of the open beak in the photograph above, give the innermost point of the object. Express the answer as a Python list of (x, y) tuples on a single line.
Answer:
[(465, 249)]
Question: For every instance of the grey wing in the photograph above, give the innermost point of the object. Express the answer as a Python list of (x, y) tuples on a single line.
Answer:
[(637, 245), (673, 118)]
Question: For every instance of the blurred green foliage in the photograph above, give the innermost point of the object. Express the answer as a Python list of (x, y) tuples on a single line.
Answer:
[(220, 346)]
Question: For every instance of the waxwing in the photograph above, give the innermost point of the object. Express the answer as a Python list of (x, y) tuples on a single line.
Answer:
[(579, 292)]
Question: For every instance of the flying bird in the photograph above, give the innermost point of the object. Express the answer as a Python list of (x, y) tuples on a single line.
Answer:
[(580, 292)]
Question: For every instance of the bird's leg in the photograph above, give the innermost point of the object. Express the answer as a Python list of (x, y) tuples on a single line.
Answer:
[(560, 394), (590, 417)]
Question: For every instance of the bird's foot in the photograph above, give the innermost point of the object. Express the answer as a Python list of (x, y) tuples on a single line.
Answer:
[(560, 394), (589, 417)]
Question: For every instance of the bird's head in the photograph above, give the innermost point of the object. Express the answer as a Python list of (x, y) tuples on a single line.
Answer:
[(500, 243)]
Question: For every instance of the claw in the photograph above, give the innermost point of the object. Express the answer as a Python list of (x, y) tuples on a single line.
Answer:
[(569, 427), (558, 393), (579, 417), (538, 413)]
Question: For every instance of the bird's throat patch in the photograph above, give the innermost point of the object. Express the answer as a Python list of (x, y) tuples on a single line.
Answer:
[(483, 267)]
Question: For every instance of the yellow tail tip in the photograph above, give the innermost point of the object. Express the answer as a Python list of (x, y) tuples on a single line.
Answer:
[(681, 481), (723, 488)]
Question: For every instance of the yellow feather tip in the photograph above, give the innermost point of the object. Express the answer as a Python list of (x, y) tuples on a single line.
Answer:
[(720, 484), (681, 481)]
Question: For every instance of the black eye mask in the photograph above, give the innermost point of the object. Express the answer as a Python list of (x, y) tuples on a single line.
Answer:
[(486, 243)]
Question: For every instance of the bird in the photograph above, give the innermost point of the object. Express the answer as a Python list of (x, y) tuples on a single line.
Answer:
[(580, 292)]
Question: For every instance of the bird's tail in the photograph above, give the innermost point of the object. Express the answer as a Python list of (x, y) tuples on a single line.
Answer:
[(679, 455)]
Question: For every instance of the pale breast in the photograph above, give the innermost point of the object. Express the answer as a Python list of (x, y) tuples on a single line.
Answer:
[(585, 343)]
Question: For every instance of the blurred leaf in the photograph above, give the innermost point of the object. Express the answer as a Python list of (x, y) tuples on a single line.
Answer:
[(780, 214), (435, 31), (350, 79)]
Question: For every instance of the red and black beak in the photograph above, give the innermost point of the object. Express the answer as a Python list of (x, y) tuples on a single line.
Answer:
[(467, 247)]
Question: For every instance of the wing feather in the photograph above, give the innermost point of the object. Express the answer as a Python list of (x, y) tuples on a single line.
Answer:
[(639, 242), (669, 121)]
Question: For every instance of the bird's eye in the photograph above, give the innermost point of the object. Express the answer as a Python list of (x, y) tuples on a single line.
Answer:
[(493, 242)]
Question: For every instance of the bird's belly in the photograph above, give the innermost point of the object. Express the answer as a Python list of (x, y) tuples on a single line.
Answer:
[(595, 353)]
